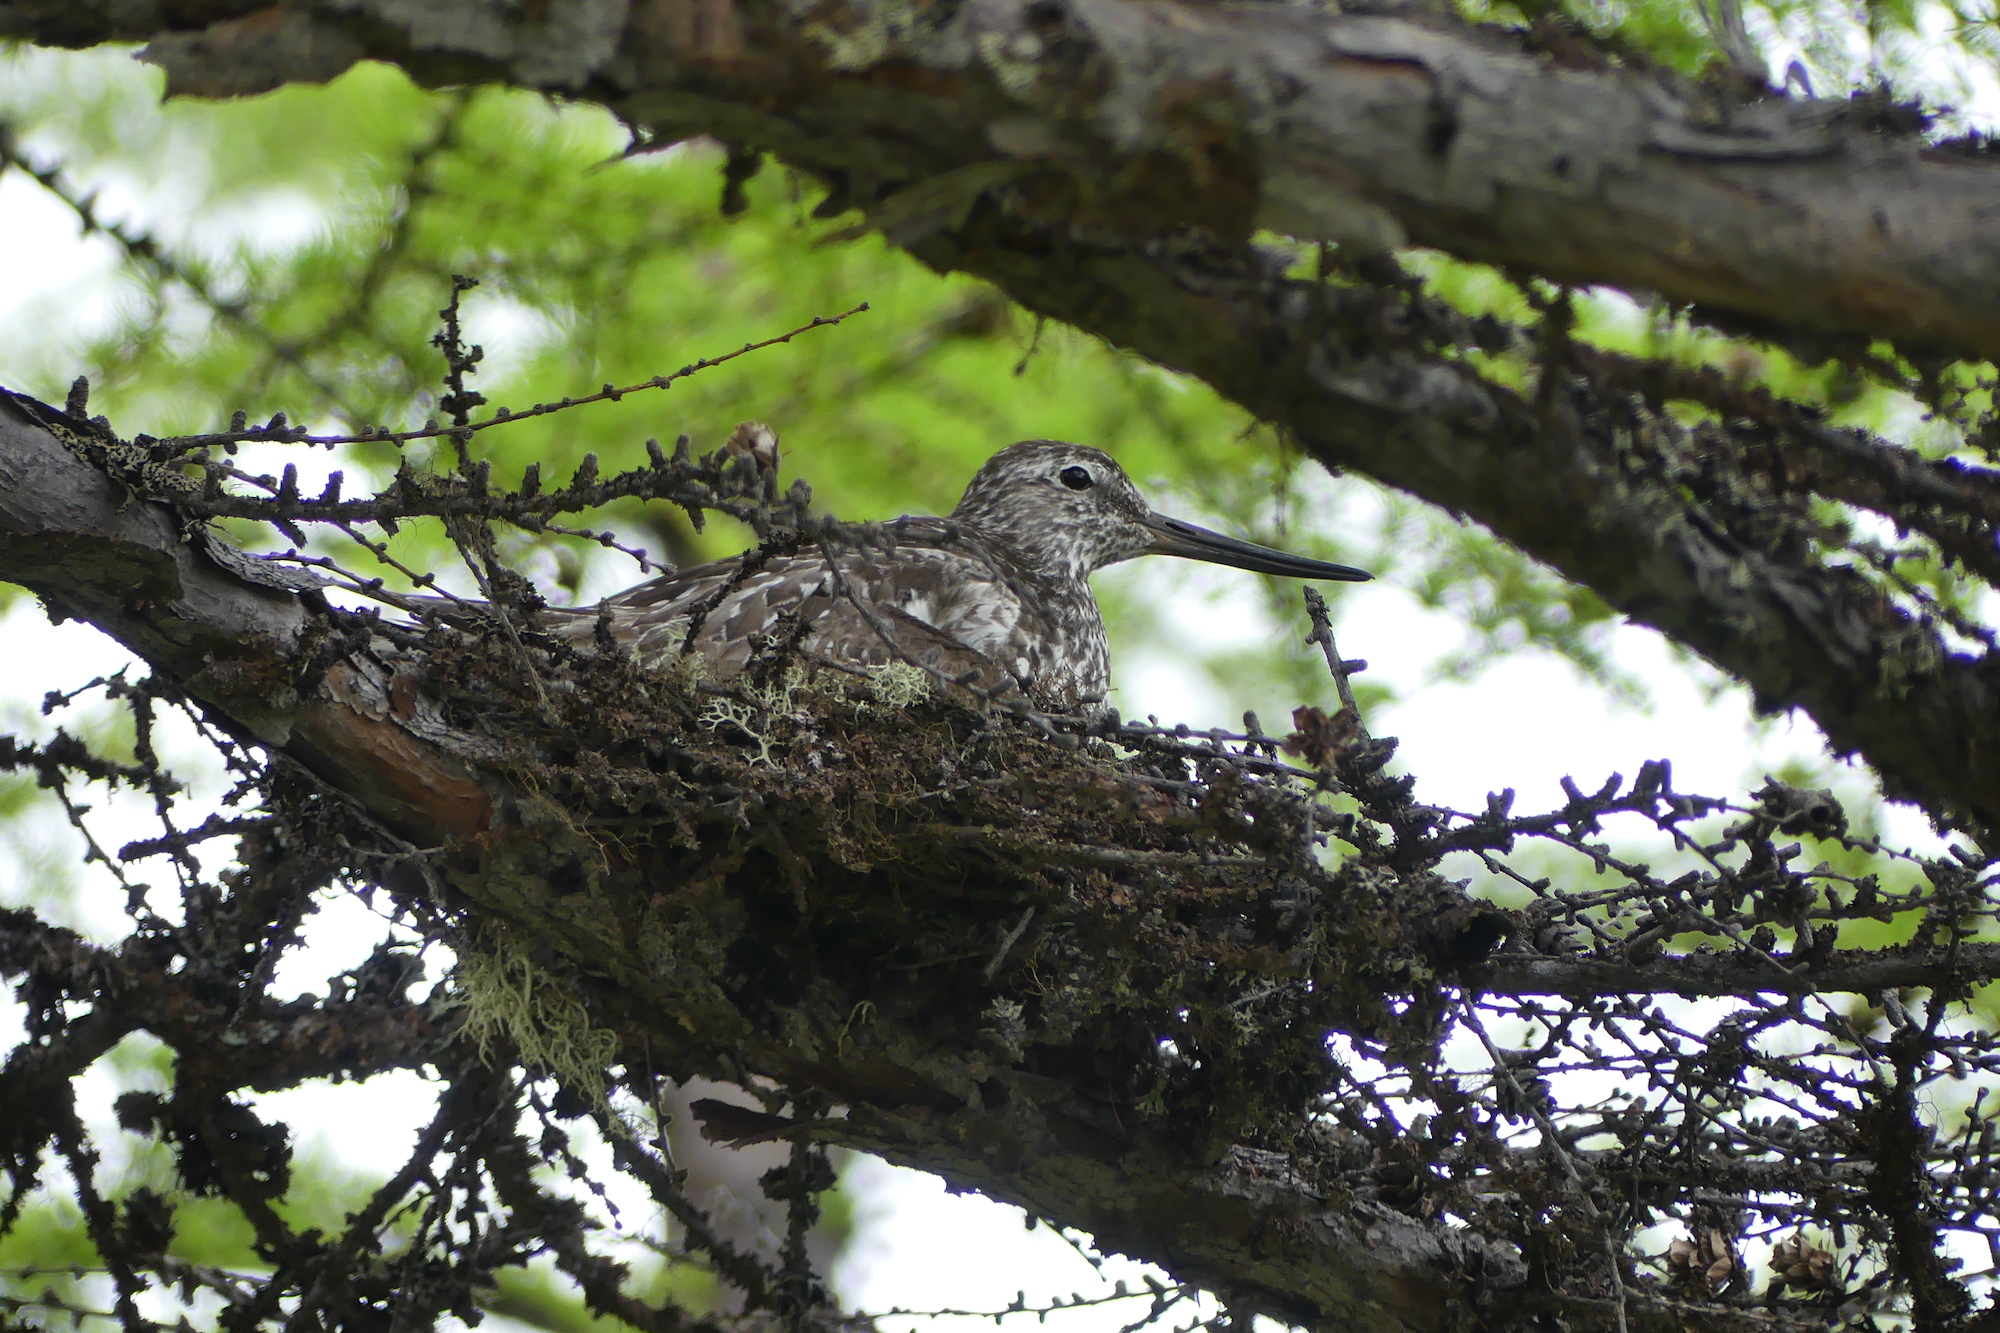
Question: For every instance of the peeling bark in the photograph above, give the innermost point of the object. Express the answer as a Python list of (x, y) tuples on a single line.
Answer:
[(1370, 129)]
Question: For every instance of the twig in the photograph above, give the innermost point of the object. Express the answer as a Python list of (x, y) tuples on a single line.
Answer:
[(1322, 634), (502, 417), (1008, 941)]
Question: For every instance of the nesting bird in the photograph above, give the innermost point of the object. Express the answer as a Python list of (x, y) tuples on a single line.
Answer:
[(998, 594)]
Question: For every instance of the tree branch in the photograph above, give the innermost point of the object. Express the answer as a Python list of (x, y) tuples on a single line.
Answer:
[(1860, 971), (1372, 130)]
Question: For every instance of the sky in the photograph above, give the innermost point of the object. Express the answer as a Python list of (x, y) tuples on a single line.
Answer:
[(1526, 722)]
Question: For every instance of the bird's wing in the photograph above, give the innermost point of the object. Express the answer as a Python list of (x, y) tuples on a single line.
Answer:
[(845, 639), (737, 609)]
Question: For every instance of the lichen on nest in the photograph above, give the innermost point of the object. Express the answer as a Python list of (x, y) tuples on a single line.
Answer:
[(766, 854), (516, 1005)]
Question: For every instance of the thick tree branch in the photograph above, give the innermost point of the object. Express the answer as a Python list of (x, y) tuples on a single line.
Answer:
[(88, 552), (1368, 129)]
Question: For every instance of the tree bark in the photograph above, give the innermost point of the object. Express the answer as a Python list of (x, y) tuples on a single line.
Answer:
[(1371, 129)]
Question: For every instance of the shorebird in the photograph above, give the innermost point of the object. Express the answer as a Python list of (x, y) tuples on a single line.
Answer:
[(997, 594)]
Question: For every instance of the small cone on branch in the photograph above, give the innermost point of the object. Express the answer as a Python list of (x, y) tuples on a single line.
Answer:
[(1797, 1262), (1703, 1264), (1320, 738)]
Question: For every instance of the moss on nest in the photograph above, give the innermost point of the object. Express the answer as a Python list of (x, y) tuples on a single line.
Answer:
[(745, 862)]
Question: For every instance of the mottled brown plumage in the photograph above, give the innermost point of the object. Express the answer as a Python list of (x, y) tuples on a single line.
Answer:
[(1001, 587)]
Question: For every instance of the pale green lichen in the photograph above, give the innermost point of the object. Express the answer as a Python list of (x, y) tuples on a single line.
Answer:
[(862, 33), (1014, 60), (1006, 1030), (509, 997), (900, 685), (753, 713)]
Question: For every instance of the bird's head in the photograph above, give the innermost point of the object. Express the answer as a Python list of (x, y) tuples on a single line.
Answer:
[(1067, 510)]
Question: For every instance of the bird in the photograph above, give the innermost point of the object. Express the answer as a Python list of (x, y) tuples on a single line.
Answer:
[(996, 595)]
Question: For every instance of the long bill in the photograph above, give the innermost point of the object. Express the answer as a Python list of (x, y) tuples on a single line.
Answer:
[(1173, 537)]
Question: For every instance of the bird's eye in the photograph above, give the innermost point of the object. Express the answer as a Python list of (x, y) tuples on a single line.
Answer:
[(1077, 478)]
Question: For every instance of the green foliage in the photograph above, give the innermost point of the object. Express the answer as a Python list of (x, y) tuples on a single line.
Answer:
[(48, 1253), (212, 1232)]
